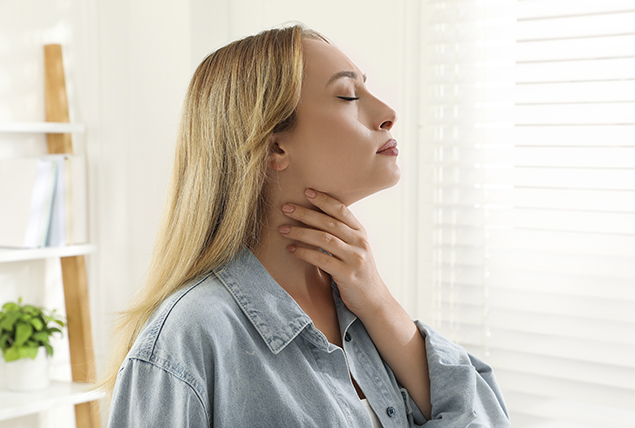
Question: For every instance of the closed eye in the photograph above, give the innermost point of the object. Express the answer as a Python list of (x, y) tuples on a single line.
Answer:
[(348, 98)]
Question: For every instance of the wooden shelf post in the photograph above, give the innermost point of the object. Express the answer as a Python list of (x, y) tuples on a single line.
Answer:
[(73, 268)]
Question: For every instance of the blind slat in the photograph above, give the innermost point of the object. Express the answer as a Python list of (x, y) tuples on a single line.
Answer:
[(583, 350), (527, 279), (545, 220), (534, 410), (578, 391), (559, 367), (550, 9), (542, 323), (525, 303), (576, 92), (460, 134), (590, 48), (557, 241), (569, 71), (573, 113), (621, 267), (535, 197), (580, 26), (531, 177), (555, 156)]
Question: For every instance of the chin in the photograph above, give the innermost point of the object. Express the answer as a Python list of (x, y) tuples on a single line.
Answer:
[(395, 177), (352, 196)]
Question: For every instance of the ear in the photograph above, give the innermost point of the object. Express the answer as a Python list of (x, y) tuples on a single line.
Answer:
[(278, 158)]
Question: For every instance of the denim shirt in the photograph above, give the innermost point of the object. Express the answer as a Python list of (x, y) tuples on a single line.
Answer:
[(235, 350)]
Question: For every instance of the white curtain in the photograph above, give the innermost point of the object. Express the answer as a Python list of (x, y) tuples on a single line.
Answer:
[(527, 185)]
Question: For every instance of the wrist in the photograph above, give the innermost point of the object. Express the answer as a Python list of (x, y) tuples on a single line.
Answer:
[(380, 310)]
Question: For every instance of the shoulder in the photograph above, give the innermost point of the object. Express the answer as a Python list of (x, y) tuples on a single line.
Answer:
[(189, 324), (176, 351)]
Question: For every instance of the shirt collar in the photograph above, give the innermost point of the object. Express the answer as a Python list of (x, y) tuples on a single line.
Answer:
[(272, 311)]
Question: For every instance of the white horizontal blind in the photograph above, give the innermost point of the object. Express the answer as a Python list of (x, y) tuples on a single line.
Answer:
[(528, 189)]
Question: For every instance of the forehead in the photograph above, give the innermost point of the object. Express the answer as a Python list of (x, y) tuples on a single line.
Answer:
[(322, 61)]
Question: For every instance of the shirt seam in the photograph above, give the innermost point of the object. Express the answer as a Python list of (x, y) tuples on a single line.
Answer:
[(156, 332), (178, 377)]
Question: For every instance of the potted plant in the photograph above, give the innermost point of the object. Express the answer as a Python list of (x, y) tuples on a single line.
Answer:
[(25, 331)]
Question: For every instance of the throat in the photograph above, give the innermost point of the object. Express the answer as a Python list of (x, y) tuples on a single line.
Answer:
[(359, 391), (324, 316)]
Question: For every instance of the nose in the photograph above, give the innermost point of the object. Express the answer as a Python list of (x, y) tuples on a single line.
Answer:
[(386, 117)]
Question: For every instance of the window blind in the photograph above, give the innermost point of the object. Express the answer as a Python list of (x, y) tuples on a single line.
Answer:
[(527, 199)]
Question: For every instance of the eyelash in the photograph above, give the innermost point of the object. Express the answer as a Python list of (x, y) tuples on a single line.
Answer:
[(348, 98)]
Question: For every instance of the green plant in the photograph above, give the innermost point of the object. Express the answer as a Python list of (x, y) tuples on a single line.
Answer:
[(24, 328)]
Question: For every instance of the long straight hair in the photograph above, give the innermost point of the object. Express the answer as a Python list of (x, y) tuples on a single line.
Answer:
[(217, 200)]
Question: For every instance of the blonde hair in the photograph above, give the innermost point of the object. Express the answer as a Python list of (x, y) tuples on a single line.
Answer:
[(238, 97)]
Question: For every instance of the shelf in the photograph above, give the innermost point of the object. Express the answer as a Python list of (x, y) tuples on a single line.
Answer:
[(15, 255), (16, 404), (41, 127)]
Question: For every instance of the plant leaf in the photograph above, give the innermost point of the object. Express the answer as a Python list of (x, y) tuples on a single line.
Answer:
[(11, 354), (10, 307), (22, 333), (25, 352), (4, 343), (9, 321), (41, 336), (49, 349), (31, 309), (37, 324)]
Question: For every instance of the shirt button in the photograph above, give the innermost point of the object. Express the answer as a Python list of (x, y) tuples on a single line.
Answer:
[(347, 337), (391, 411)]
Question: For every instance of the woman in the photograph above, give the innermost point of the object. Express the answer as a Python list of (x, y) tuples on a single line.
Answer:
[(263, 306)]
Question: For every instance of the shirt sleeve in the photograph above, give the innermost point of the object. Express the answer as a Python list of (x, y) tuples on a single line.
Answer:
[(146, 395), (463, 390)]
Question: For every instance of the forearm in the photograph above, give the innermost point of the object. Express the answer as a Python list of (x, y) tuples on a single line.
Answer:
[(402, 346)]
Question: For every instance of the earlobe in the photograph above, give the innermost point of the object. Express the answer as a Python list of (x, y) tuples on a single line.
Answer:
[(278, 156)]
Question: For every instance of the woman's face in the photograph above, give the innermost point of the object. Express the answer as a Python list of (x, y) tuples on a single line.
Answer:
[(340, 127)]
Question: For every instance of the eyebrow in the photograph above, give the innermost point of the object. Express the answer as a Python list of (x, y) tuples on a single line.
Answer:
[(341, 74)]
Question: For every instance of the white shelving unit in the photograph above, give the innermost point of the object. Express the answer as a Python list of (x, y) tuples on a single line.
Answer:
[(16, 255), (41, 127), (16, 404)]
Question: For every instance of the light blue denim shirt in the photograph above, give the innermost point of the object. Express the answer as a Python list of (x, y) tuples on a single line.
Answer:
[(235, 350)]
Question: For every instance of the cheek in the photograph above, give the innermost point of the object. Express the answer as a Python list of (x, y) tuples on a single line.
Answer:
[(333, 148), (337, 135)]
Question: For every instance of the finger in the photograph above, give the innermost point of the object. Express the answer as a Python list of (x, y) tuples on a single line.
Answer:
[(333, 207), (319, 259), (316, 238), (320, 221)]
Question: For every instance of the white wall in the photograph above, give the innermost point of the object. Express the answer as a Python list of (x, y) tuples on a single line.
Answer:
[(142, 69), (128, 64)]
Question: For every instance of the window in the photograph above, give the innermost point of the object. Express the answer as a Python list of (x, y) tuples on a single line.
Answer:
[(527, 179)]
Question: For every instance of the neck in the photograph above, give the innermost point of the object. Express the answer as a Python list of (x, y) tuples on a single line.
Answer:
[(304, 282)]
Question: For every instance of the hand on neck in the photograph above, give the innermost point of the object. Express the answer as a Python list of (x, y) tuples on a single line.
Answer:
[(300, 279)]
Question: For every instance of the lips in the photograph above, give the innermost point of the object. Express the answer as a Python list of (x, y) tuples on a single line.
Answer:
[(389, 146)]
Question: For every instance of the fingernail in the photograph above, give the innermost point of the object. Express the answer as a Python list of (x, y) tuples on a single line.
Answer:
[(284, 229), (310, 193), (288, 208), (291, 249)]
